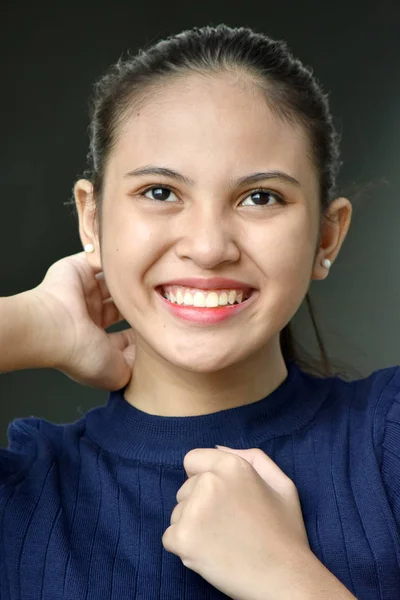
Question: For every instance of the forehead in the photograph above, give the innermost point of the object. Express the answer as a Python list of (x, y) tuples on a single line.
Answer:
[(220, 122)]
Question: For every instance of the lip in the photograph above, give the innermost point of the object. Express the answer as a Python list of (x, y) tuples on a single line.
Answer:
[(211, 283), (204, 316)]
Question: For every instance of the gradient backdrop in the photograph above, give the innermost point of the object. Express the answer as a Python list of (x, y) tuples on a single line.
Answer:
[(50, 57)]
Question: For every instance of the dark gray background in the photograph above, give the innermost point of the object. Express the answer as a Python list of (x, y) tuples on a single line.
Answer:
[(51, 55)]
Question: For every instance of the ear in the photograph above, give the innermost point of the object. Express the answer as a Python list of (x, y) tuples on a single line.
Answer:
[(335, 226), (88, 230)]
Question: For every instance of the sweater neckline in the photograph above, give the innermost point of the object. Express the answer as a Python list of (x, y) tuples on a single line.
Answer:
[(124, 430)]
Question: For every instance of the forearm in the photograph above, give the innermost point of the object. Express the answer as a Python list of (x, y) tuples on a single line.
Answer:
[(305, 578), (24, 338)]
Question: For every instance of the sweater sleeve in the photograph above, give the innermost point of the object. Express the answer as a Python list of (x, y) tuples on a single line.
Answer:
[(22, 450), (390, 465)]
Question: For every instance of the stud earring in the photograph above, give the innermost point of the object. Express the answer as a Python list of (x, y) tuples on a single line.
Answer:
[(89, 248), (326, 263)]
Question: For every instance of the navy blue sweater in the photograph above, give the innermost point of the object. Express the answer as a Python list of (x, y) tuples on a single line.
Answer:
[(84, 505)]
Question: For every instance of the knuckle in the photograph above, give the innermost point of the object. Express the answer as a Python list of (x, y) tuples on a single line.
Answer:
[(258, 452), (209, 480), (290, 488), (183, 539), (188, 457), (232, 461)]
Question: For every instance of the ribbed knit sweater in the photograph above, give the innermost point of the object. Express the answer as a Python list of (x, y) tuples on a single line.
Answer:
[(84, 505)]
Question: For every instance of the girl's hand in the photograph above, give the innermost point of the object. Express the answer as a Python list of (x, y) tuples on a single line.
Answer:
[(238, 523), (75, 308)]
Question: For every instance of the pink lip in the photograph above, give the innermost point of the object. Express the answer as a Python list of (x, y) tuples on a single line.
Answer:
[(212, 283), (205, 316)]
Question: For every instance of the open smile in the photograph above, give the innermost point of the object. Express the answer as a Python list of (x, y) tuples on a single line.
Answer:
[(205, 306)]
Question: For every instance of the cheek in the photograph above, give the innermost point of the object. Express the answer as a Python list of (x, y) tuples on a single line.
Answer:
[(133, 238), (284, 250), (134, 230), (131, 246)]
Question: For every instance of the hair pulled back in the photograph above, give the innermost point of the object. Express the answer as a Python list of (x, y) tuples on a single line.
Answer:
[(290, 89)]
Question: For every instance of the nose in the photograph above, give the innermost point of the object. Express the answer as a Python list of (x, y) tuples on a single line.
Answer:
[(207, 238)]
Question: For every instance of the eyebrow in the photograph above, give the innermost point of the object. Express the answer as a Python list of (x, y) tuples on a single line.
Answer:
[(247, 179)]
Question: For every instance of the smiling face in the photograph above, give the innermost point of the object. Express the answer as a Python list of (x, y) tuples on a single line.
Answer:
[(205, 223)]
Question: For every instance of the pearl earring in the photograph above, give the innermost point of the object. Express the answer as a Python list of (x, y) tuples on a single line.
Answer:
[(326, 263), (89, 248)]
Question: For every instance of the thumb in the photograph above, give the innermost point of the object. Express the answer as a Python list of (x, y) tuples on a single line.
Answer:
[(246, 454), (263, 464)]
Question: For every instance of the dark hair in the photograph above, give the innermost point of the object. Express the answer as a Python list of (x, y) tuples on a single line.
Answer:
[(290, 89)]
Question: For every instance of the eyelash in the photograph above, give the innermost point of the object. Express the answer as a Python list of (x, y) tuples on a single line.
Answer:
[(278, 197)]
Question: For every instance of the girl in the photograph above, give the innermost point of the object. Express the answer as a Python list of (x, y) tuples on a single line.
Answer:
[(208, 209)]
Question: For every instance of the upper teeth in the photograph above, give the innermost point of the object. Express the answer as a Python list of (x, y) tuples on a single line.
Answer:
[(202, 298)]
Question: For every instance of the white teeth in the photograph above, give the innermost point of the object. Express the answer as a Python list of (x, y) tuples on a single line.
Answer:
[(188, 299), (202, 298), (212, 300), (223, 299), (199, 299)]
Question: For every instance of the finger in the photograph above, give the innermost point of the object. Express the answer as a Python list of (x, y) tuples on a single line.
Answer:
[(101, 282), (123, 340), (168, 540), (200, 460), (266, 468), (176, 514), (186, 489), (111, 314), (263, 464), (116, 372), (81, 258), (86, 273)]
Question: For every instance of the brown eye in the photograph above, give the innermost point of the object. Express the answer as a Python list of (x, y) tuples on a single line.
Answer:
[(263, 198), (160, 194)]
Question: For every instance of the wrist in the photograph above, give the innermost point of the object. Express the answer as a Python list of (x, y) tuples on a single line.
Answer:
[(20, 334), (39, 338), (303, 577), (309, 579)]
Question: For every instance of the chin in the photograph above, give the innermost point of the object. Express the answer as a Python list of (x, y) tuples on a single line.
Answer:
[(203, 365)]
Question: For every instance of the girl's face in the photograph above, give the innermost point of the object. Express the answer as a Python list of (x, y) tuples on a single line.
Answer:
[(203, 222)]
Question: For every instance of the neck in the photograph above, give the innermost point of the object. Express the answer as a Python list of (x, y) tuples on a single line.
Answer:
[(160, 388)]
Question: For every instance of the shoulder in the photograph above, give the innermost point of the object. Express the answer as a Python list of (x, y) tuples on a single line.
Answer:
[(32, 440), (387, 434), (362, 406), (366, 394), (382, 390), (377, 394), (378, 397)]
